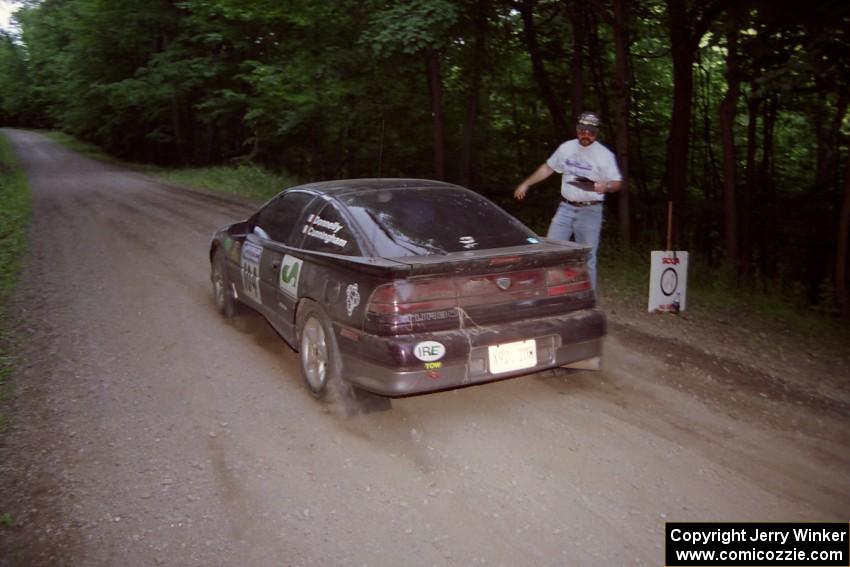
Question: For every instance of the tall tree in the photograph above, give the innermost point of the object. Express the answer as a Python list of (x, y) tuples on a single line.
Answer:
[(578, 23), (616, 18), (622, 98), (541, 76), (420, 26), (841, 280), (686, 27), (15, 100), (476, 64), (727, 136)]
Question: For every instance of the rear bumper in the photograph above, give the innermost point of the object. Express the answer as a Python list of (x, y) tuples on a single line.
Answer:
[(389, 367)]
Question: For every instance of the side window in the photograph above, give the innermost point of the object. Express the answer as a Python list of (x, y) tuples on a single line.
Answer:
[(328, 231), (277, 219)]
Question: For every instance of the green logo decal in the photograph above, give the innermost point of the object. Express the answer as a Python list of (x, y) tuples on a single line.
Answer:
[(287, 273), (290, 270)]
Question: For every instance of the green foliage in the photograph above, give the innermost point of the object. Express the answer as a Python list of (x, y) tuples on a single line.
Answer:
[(79, 146), (7, 520), (410, 26), (15, 83)]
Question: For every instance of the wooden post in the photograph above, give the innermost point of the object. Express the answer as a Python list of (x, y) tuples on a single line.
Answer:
[(669, 225)]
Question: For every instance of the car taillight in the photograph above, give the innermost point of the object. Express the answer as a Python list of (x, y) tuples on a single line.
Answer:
[(438, 303), (407, 306), (408, 296), (562, 280)]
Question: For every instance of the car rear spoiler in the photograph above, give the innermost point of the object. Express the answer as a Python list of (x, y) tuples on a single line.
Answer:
[(544, 253)]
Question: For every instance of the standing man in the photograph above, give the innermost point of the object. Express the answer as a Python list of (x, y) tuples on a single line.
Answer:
[(588, 171)]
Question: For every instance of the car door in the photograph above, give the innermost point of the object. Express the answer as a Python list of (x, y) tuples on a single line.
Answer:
[(293, 263), (278, 268)]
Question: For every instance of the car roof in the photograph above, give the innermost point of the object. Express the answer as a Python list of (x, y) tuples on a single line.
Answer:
[(341, 186)]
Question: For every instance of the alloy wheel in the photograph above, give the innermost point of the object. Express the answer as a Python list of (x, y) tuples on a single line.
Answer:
[(314, 354)]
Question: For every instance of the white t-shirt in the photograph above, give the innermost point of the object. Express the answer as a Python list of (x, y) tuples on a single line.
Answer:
[(595, 162)]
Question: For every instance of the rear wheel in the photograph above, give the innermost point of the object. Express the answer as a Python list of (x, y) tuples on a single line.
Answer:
[(321, 365), (316, 356), (222, 290)]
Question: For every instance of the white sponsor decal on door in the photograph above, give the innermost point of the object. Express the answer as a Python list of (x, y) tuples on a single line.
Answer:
[(250, 262)]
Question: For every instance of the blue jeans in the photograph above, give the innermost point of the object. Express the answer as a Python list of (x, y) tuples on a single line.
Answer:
[(585, 223)]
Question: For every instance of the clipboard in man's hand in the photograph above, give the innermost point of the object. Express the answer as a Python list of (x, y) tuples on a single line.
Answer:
[(583, 183)]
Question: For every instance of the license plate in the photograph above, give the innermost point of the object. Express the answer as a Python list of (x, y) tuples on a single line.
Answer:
[(512, 356)]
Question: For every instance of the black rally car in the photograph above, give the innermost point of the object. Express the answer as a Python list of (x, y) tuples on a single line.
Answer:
[(407, 286)]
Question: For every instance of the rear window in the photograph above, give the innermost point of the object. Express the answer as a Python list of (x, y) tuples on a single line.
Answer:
[(433, 220)]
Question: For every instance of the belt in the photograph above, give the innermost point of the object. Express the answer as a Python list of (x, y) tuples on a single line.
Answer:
[(581, 203)]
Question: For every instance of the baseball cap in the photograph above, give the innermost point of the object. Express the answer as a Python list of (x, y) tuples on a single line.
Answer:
[(589, 120)]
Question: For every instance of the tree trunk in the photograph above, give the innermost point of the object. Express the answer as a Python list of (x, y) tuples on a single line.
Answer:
[(746, 233), (771, 112), (765, 247), (435, 90), (597, 63), (526, 8), (174, 107), (841, 291), (676, 168), (621, 105), (515, 123), (685, 29), (727, 137), (178, 131), (467, 151), (828, 174), (577, 21)]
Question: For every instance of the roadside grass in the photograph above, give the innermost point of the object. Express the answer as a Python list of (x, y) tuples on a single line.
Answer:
[(244, 180), (248, 181), (72, 143), (14, 218), (7, 520), (714, 293)]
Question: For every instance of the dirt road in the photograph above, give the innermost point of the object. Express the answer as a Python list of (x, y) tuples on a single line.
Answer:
[(149, 431)]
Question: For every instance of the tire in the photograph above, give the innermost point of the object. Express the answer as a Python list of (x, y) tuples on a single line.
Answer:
[(321, 362), (318, 353), (222, 290)]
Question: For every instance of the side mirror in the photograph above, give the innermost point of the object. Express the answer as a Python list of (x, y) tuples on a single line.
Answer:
[(261, 233)]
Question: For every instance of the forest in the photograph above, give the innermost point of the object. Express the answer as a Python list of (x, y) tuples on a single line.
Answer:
[(732, 115)]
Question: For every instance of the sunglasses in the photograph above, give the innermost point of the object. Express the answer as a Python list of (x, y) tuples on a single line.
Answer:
[(588, 131)]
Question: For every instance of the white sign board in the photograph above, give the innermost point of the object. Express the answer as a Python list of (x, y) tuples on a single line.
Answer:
[(668, 281)]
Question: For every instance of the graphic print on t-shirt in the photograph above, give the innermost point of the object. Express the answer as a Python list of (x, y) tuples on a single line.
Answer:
[(577, 167)]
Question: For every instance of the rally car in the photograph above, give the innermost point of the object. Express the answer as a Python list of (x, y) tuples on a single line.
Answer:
[(396, 287)]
